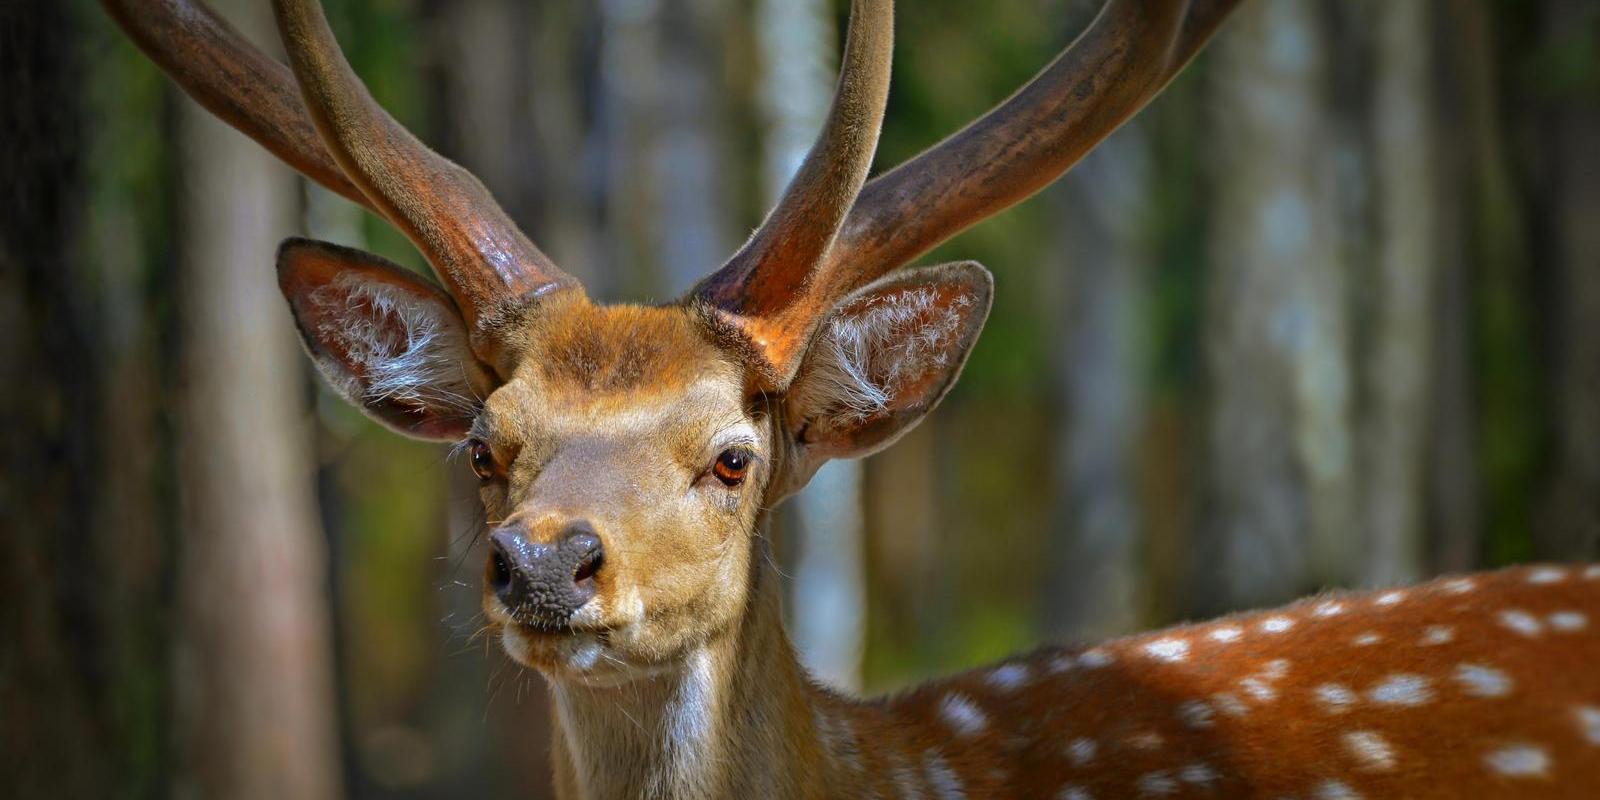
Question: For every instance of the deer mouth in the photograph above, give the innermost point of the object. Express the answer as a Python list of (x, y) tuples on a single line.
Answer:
[(588, 657)]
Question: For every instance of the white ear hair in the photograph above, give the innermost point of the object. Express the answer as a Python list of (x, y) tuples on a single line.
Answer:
[(406, 350), (862, 359)]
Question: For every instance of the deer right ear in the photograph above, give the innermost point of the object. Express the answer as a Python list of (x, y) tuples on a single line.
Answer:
[(388, 341), (882, 359)]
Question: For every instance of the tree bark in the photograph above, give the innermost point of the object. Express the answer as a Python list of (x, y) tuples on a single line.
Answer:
[(1396, 376), (253, 678), (1279, 468), (1569, 528), (1101, 377)]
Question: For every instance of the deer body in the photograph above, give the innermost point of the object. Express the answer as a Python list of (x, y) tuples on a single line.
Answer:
[(1477, 686), (628, 454)]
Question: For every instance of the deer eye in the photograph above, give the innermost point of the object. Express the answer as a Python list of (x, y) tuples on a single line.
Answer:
[(482, 459), (731, 466)]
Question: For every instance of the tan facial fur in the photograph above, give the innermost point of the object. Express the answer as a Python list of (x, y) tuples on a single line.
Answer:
[(614, 416)]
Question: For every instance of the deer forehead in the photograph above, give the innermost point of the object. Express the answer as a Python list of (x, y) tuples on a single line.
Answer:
[(619, 376), (621, 353)]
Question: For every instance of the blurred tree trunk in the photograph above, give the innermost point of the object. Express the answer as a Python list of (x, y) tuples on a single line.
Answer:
[(1094, 574), (1570, 144), (1279, 442), (1400, 307), (827, 598), (56, 736), (1453, 492), (666, 210), (252, 673)]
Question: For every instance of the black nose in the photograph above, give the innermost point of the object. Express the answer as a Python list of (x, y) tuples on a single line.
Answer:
[(544, 584)]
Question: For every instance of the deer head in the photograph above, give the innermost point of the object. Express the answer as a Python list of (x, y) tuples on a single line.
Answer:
[(627, 453)]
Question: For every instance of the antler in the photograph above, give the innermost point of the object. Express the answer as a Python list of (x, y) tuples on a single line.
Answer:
[(349, 144), (1126, 57), (232, 79), (485, 262), (766, 286), (1129, 53)]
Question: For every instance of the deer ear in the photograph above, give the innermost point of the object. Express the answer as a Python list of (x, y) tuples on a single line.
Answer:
[(883, 358), (388, 341)]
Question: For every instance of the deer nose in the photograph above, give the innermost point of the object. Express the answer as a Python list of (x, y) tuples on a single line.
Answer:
[(543, 585)]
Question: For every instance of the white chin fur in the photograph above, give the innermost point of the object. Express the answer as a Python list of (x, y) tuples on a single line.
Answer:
[(516, 646)]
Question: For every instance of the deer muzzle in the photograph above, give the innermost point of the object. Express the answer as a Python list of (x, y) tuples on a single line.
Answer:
[(543, 584)]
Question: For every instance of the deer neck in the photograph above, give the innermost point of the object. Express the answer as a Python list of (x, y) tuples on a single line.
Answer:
[(735, 719)]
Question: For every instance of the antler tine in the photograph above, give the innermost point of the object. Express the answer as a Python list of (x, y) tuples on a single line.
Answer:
[(484, 261), (1129, 53), (766, 285), (232, 79)]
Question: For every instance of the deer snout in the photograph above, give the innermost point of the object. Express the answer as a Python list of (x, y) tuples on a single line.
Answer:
[(544, 584)]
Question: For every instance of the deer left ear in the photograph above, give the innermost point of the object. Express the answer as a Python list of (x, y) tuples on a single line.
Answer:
[(388, 341), (883, 358)]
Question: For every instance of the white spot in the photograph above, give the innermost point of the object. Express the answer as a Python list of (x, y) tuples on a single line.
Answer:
[(946, 784), (1095, 658), (1589, 723), (1367, 639), (838, 740), (1592, 573), (1149, 740), (1226, 634), (1009, 677), (1336, 698), (1277, 624), (1196, 714), (1401, 690), (1437, 634), (1259, 689), (1198, 773), (1082, 750), (1370, 749), (1329, 609), (1168, 649), (1519, 760), (905, 781), (1521, 621), (1481, 681), (1334, 790), (1073, 793), (1568, 621), (962, 714), (1156, 783), (1276, 668), (1229, 704), (1547, 575), (1459, 585), (1063, 663), (1390, 598)]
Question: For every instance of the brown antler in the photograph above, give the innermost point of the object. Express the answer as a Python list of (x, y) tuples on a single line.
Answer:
[(485, 262), (347, 143), (232, 79), (1131, 50), (767, 286), (1129, 53)]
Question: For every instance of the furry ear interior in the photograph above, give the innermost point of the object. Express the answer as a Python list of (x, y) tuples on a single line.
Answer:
[(387, 340), (883, 358)]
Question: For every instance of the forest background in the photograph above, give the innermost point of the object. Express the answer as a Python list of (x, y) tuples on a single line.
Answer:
[(1326, 314)]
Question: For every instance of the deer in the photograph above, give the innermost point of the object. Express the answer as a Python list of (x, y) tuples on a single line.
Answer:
[(629, 455)]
